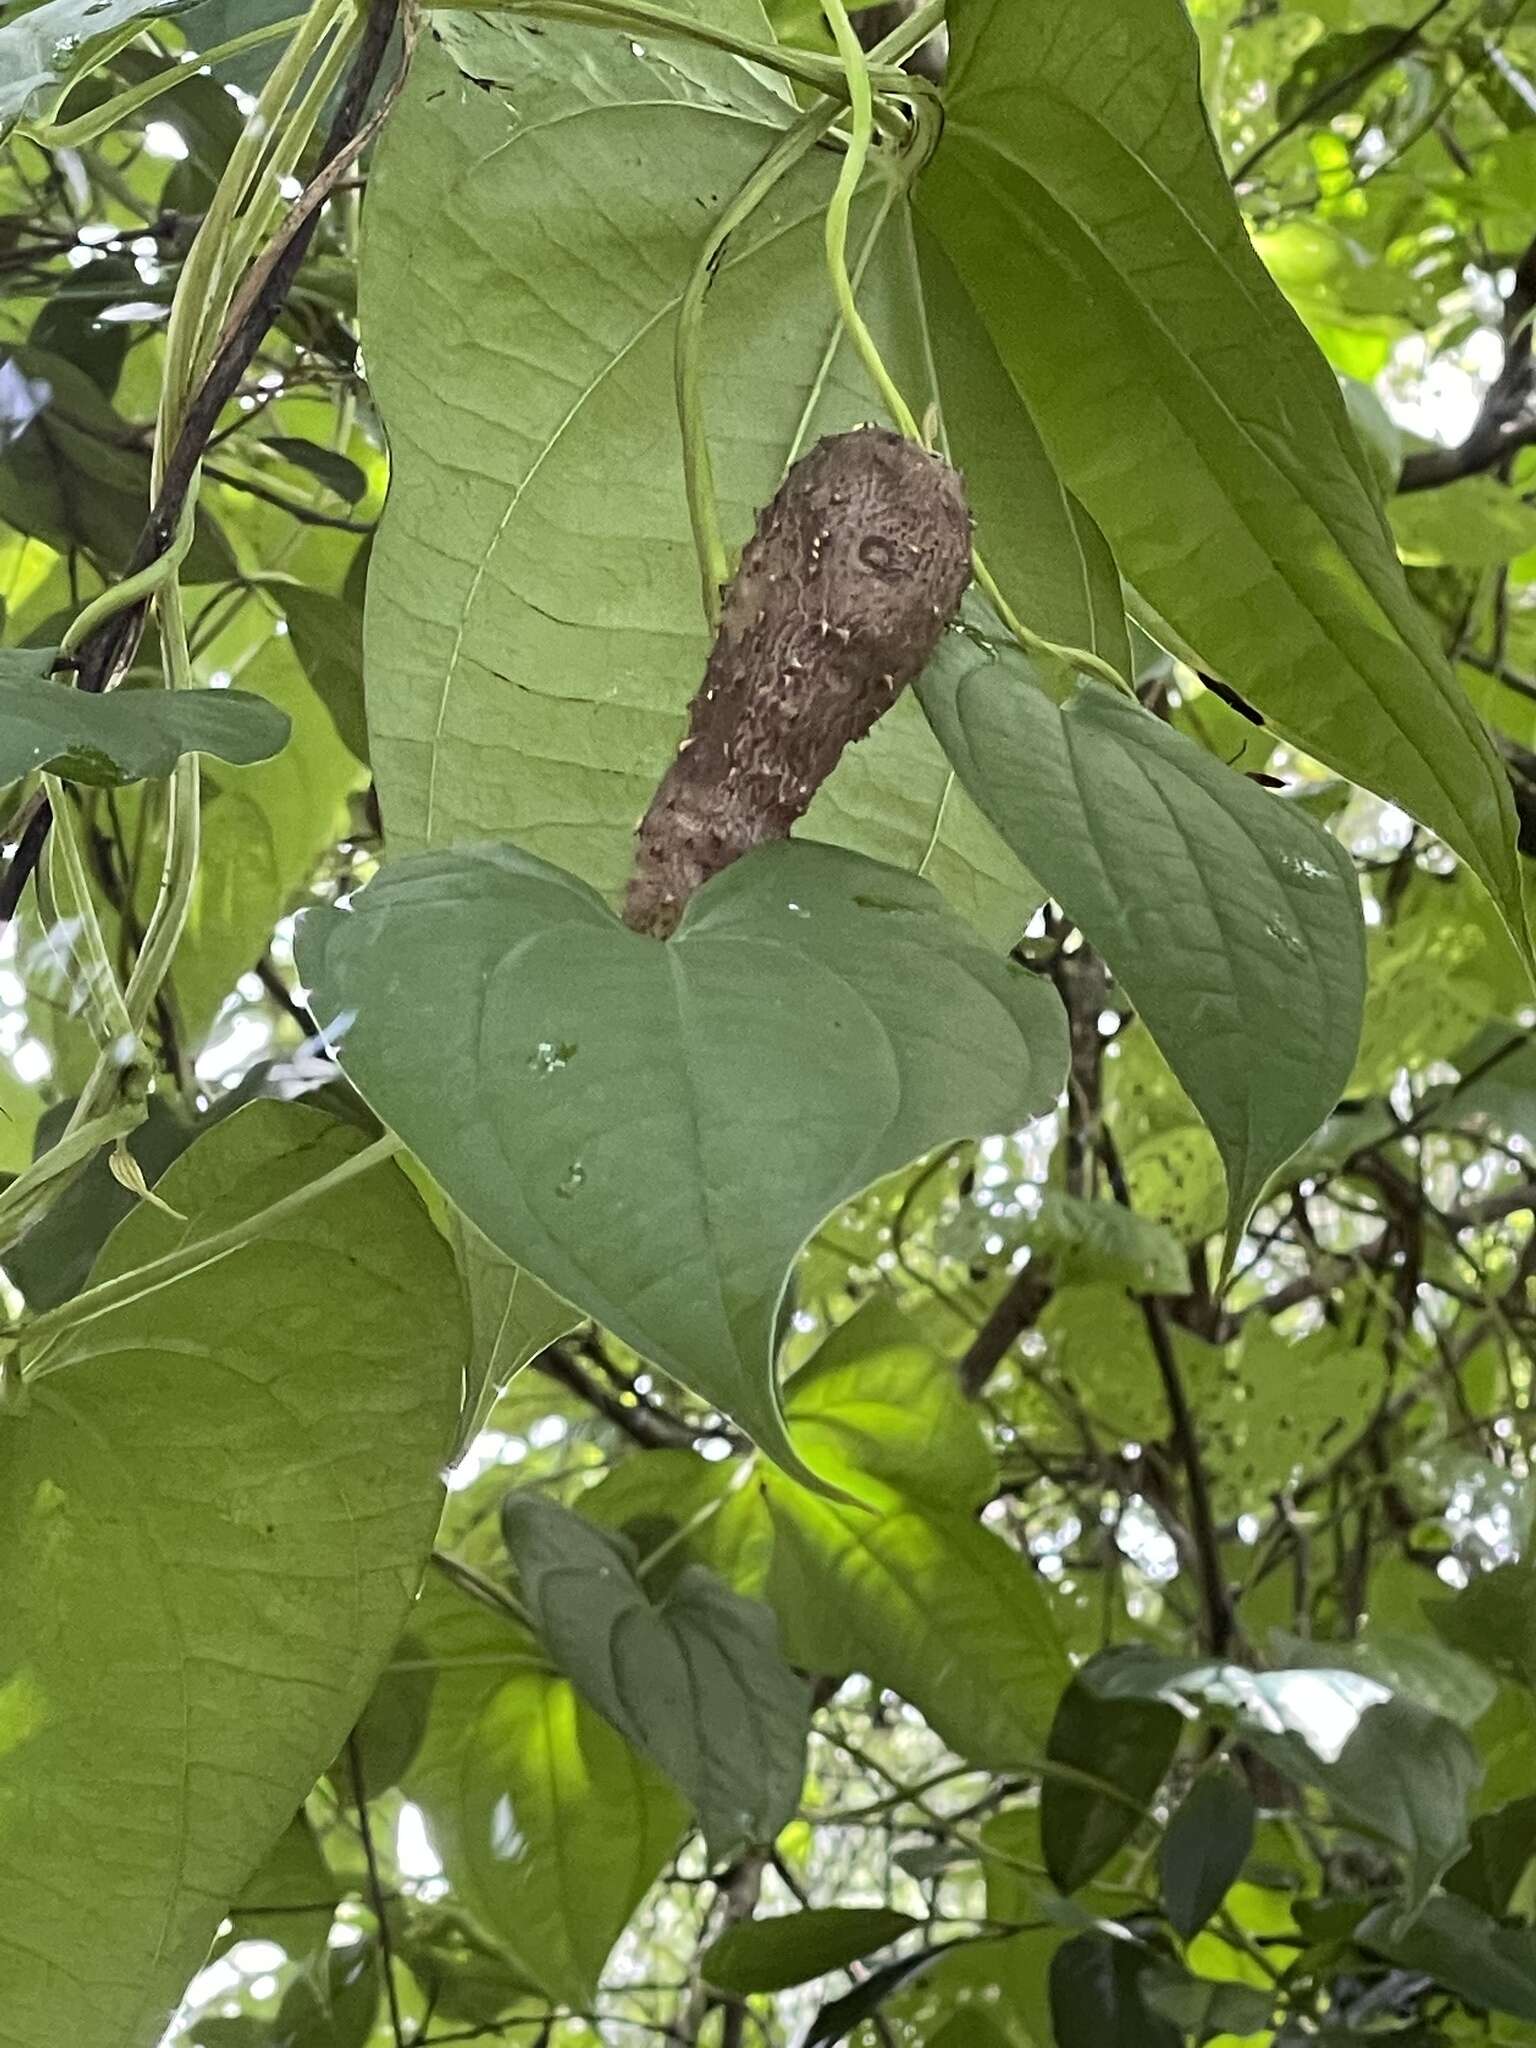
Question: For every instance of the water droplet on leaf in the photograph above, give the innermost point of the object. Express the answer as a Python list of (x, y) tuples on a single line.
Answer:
[(548, 1057), (1303, 869)]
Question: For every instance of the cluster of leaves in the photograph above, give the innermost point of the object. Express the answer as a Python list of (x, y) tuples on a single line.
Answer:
[(986, 1385)]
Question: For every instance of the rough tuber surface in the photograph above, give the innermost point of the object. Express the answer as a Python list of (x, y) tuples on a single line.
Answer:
[(855, 569)]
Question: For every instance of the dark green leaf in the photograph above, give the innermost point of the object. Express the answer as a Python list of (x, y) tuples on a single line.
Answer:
[(1328, 76), (390, 1728), (326, 633), (1126, 1746), (69, 324), (526, 1791), (1499, 1853), (126, 735), (72, 473), (1493, 1618), (54, 1258), (1386, 1765), (1199, 2007), (1076, 177), (337, 472), (290, 1900), (791, 1948), (1205, 1846), (696, 1681), (1465, 1950), (1231, 919), (1096, 1996), (335, 2007), (621, 1075), (835, 2022)]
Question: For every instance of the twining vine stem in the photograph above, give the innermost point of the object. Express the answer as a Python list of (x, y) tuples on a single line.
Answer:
[(105, 650)]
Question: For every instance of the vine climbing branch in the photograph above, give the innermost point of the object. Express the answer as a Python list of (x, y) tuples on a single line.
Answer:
[(105, 649)]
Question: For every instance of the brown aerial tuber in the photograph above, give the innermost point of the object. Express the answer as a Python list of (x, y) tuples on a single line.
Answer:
[(856, 567)]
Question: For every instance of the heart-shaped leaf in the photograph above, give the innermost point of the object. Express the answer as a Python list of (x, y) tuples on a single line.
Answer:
[(1232, 920), (1077, 171), (654, 1130), (515, 687), (696, 1680), (124, 735), (214, 1507), (527, 1793)]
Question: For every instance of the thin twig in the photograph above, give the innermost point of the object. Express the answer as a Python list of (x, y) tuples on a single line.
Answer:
[(375, 1890)]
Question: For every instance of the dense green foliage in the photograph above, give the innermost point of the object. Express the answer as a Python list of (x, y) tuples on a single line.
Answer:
[(941, 1458)]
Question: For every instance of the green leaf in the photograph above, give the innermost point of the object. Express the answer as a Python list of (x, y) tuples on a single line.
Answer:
[(1052, 563), (1328, 76), (67, 476), (326, 633), (1438, 970), (1463, 1949), (1499, 1853), (1277, 1408), (1416, 1666), (695, 1507), (534, 628), (1090, 1243), (1199, 2007), (335, 2007), (125, 735), (290, 1899), (793, 1948), (1097, 1983), (465, 1976), (695, 1680), (1476, 523), (1232, 921), (59, 40), (265, 830), (512, 1316), (652, 1130), (276, 1421), (1205, 1846), (339, 473), (391, 1727), (1125, 1746), (835, 2022), (1386, 1765), (1493, 1618), (971, 2029), (928, 1603), (549, 1827), (1076, 178), (877, 1403)]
